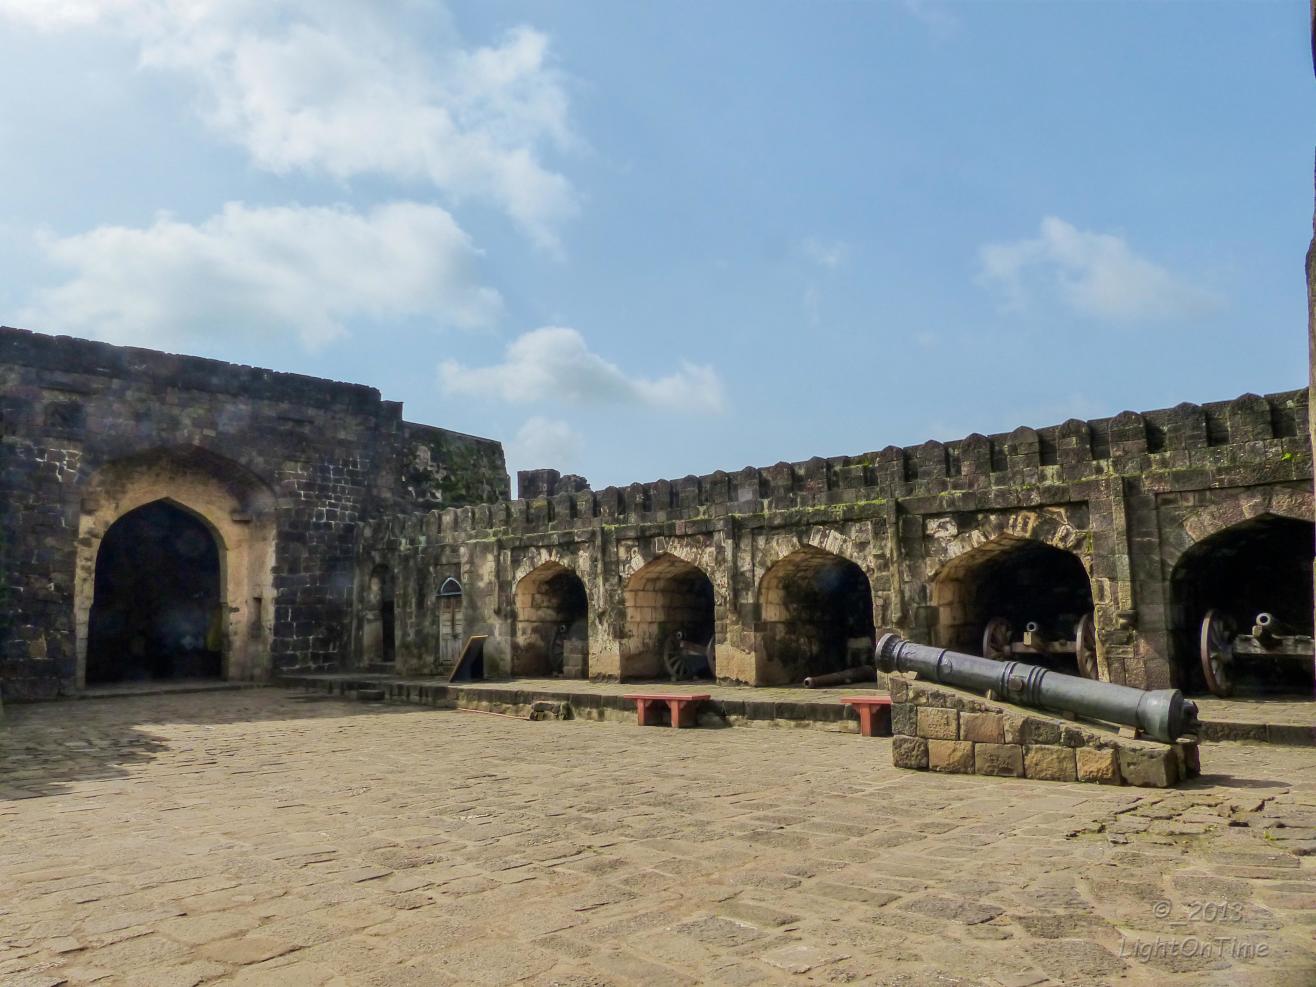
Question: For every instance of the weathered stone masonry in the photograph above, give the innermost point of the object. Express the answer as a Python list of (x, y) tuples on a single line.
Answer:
[(942, 533), (281, 469), (349, 538)]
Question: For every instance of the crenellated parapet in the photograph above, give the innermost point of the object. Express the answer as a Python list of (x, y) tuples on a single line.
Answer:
[(940, 537), (1267, 432)]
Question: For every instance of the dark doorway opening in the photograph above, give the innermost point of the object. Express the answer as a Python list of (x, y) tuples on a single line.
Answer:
[(379, 637), (1002, 589), (157, 611), (671, 622), (817, 611), (552, 624), (1259, 566)]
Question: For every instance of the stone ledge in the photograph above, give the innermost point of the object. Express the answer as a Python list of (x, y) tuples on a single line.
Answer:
[(940, 728)]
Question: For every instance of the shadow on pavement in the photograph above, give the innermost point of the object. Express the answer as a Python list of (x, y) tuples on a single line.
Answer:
[(45, 747)]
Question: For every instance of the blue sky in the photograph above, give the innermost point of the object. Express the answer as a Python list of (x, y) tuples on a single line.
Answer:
[(637, 240)]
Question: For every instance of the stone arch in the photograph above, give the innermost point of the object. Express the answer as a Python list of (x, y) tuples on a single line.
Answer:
[(828, 540), (551, 623), (1044, 527), (1021, 578), (1253, 503), (1260, 563), (662, 596), (816, 616), (699, 553), (379, 617), (233, 504)]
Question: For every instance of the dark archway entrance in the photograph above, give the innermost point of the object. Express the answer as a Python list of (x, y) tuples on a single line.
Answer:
[(1020, 582), (552, 624), (1261, 565), (157, 611), (670, 620), (817, 616)]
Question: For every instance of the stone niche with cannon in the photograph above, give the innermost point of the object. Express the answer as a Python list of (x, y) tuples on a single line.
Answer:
[(1223, 649), (1241, 606)]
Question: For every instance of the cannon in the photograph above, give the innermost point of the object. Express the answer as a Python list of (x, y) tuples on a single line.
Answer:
[(685, 659), (847, 676), (998, 643), (1221, 645), (1163, 714)]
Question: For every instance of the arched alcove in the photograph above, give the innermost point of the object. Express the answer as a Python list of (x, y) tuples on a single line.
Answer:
[(229, 503), (816, 616), (158, 601), (1018, 580), (1260, 565), (665, 597), (552, 623)]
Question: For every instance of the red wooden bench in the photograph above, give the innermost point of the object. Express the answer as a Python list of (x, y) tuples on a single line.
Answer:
[(874, 714), (681, 706)]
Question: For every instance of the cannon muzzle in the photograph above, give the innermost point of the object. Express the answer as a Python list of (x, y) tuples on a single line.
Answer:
[(1163, 713), (1264, 626)]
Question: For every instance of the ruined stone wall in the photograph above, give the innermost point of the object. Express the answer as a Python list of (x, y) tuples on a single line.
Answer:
[(282, 469), (1122, 495)]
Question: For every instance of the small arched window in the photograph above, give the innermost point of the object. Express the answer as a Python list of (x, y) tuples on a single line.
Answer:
[(450, 588)]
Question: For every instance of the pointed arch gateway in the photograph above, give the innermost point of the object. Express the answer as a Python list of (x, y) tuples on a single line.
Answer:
[(174, 574), (552, 623), (816, 612)]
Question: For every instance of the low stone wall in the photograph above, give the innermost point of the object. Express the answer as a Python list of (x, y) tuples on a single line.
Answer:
[(938, 728)]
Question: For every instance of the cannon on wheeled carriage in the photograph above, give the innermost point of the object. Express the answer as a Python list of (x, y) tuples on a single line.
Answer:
[(685, 659), (1222, 647), (999, 644)]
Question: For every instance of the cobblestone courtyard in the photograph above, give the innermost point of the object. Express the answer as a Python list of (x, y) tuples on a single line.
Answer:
[(263, 837)]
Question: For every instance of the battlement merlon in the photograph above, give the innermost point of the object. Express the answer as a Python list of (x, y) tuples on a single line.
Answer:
[(1259, 433)]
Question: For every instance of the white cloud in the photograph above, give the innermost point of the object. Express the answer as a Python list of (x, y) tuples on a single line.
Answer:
[(341, 88), (555, 364), (545, 443), (939, 21), (829, 254), (255, 272), (1095, 274)]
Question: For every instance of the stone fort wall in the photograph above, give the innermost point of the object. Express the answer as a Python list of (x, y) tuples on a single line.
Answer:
[(928, 526), (283, 469)]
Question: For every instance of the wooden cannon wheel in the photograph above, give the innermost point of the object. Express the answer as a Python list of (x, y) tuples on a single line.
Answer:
[(1085, 646), (1218, 652), (681, 660), (996, 639)]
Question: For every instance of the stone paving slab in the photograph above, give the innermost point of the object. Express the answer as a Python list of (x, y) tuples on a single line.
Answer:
[(260, 837)]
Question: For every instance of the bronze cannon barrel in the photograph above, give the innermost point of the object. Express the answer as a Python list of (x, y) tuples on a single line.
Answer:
[(1162, 713)]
